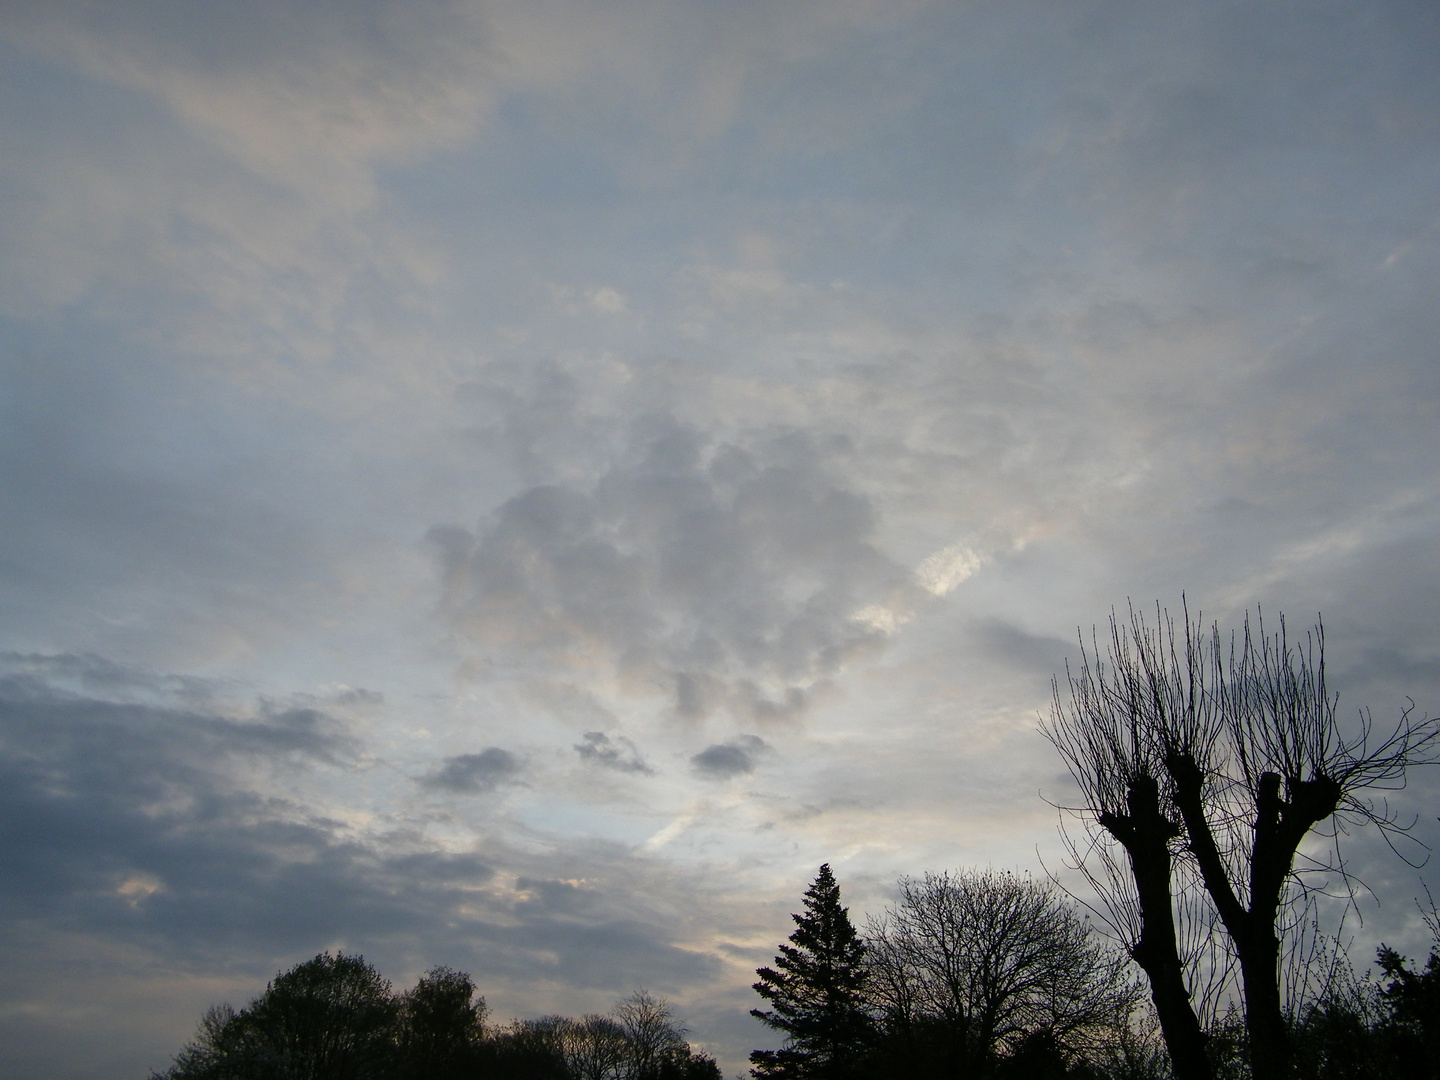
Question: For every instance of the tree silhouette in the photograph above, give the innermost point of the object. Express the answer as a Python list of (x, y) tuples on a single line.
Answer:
[(335, 1018), (967, 966), (1412, 999), (1209, 771), (440, 1026), (652, 1034), (815, 991), (330, 1018)]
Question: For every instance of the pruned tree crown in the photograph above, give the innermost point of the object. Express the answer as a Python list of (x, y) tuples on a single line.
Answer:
[(1208, 763)]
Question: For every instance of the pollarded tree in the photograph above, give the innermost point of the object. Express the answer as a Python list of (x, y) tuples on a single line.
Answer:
[(816, 992), (1209, 767)]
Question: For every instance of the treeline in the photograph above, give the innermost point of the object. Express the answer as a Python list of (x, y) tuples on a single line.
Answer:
[(993, 976), (977, 975), (336, 1018)]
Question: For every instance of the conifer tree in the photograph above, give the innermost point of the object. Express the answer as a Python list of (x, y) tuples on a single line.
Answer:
[(815, 991)]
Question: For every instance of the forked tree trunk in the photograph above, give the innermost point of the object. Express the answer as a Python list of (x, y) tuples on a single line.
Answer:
[(1279, 828)]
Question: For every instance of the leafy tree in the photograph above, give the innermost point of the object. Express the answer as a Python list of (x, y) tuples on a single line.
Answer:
[(816, 992), (1209, 771), (970, 968), (335, 1018), (528, 1050), (209, 1055), (688, 1064), (1337, 1041), (1368, 1030), (1036, 1055), (440, 1026), (330, 1018), (1412, 999)]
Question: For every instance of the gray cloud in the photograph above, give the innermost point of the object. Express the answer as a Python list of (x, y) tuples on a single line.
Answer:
[(718, 573), (156, 831), (725, 760), (475, 774), (124, 815), (89, 673), (618, 753), (1041, 655)]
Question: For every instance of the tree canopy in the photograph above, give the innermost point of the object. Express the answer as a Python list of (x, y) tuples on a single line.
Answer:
[(336, 1018), (968, 967)]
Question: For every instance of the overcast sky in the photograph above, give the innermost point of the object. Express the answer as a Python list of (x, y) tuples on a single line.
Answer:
[(518, 484)]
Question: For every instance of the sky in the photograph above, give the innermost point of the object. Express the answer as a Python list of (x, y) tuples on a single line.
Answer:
[(518, 484)]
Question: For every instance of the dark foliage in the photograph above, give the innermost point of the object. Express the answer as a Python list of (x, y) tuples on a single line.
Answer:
[(330, 1018), (335, 1018), (440, 1027), (1372, 1031), (984, 976), (526, 1050), (1412, 1000), (816, 992), (688, 1065)]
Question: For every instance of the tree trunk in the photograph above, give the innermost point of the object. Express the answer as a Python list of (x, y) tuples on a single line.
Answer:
[(1264, 1019), (1280, 826), (1145, 834)]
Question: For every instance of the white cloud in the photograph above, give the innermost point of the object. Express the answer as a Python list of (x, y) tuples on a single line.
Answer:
[(607, 300), (945, 570), (881, 618)]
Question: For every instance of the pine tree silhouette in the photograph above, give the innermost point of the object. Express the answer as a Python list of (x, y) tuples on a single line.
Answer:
[(815, 991)]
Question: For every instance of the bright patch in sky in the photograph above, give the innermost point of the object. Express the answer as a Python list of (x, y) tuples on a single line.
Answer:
[(943, 571)]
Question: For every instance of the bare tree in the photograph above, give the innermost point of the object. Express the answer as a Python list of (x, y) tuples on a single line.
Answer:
[(652, 1034), (976, 960), (1209, 768), (593, 1046)]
